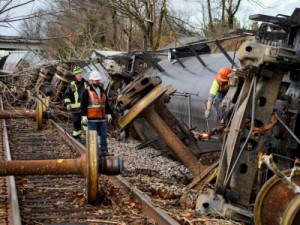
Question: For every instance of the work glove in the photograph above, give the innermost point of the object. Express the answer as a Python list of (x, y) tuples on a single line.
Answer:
[(206, 114), (84, 120), (109, 118), (68, 106)]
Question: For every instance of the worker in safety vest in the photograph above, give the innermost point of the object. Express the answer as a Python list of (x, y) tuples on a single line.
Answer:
[(95, 109), (72, 98), (218, 89)]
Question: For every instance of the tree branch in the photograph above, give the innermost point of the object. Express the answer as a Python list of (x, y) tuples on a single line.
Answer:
[(3, 10)]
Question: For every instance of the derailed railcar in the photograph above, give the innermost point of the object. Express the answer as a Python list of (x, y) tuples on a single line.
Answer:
[(264, 127), (262, 119), (189, 69)]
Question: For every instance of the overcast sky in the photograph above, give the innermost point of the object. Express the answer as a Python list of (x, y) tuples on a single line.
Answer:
[(12, 28), (272, 8)]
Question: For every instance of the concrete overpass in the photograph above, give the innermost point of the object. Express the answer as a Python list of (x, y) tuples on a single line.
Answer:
[(11, 43)]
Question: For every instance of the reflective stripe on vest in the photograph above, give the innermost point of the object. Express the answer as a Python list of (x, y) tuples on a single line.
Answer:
[(74, 88), (223, 86), (96, 106)]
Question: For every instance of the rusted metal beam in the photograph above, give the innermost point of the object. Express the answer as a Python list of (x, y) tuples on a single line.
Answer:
[(164, 131), (145, 108), (17, 114), (42, 167), (110, 165)]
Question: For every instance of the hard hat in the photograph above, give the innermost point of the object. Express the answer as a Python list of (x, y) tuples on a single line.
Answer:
[(77, 70), (223, 73), (95, 75)]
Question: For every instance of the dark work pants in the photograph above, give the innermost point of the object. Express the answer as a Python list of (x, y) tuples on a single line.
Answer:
[(101, 128), (76, 119)]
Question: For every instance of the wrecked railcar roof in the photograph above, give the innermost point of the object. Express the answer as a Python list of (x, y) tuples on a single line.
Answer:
[(194, 80)]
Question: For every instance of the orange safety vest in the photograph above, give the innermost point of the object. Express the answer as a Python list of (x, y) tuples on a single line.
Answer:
[(223, 86), (96, 106)]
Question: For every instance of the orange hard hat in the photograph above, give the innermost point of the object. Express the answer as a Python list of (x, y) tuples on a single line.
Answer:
[(223, 73)]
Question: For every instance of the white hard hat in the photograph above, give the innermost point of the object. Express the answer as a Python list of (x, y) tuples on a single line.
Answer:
[(95, 75)]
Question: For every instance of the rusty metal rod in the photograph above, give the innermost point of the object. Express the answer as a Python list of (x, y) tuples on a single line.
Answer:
[(109, 165), (17, 114), (170, 138), (42, 167)]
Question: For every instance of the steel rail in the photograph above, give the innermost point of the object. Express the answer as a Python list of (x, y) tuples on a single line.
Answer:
[(67, 137), (15, 218), (154, 213)]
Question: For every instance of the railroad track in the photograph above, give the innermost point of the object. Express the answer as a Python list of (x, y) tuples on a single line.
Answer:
[(62, 199), (5, 212), (64, 196)]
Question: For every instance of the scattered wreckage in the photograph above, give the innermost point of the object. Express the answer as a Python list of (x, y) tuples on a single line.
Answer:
[(259, 123)]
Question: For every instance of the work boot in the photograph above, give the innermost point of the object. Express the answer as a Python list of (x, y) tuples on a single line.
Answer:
[(107, 154), (76, 134), (104, 153)]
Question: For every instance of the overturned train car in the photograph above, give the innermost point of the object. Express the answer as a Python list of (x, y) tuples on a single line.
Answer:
[(190, 75), (191, 80), (262, 119), (262, 115)]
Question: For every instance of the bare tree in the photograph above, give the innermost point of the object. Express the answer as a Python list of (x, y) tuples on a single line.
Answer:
[(148, 15), (231, 10), (153, 18), (33, 27), (76, 31), (211, 25), (221, 15), (73, 28)]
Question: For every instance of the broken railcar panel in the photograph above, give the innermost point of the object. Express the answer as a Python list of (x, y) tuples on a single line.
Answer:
[(16, 58), (128, 66), (194, 82)]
